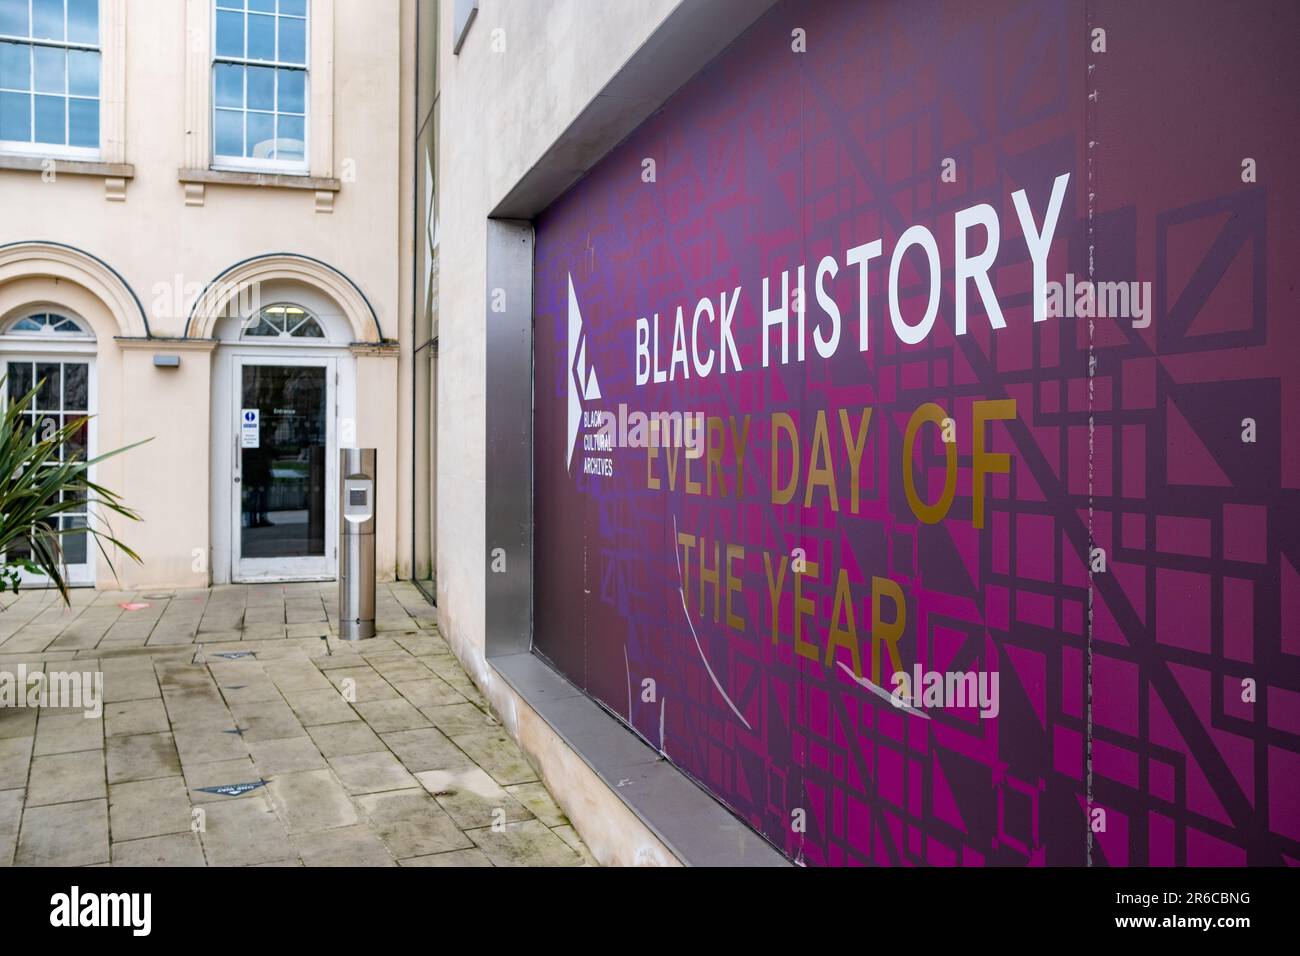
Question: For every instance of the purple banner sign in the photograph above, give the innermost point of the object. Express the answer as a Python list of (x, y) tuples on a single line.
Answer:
[(917, 461)]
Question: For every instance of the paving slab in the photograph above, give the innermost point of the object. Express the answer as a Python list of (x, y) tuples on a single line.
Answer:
[(60, 732), (426, 749), (173, 849), (123, 718), (321, 707), (338, 740), (457, 719), (472, 797), (64, 834), (311, 800), (66, 778), (390, 715), (500, 756), (370, 773), (526, 843), (288, 755), (411, 823), (346, 846), (141, 757), (244, 832), (148, 808)]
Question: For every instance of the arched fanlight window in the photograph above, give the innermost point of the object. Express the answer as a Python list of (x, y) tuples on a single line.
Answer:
[(49, 324), (283, 321)]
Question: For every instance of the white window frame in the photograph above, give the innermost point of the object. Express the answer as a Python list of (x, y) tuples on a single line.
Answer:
[(11, 334), (15, 147), (286, 337), (293, 167), (33, 347)]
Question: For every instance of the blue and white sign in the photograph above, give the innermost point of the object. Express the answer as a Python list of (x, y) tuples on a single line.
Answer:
[(250, 431)]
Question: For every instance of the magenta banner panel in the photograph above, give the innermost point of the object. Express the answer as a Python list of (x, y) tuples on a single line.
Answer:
[(918, 432)]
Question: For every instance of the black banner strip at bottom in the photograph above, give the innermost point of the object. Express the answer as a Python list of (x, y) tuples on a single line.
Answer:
[(236, 906)]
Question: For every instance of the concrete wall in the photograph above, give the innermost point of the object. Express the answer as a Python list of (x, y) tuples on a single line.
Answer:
[(155, 240), (505, 99)]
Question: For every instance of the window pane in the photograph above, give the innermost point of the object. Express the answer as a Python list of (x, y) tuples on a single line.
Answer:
[(13, 17), (15, 66), (49, 63), (229, 133), (261, 37), (230, 4), (261, 135), (74, 545), (19, 379), (51, 119), (83, 21), (292, 83), (293, 41), (229, 84), (47, 19), (266, 6), (16, 116), (290, 143), (76, 378), (230, 34), (48, 375), (261, 88), (83, 123), (296, 7), (83, 72), (75, 446)]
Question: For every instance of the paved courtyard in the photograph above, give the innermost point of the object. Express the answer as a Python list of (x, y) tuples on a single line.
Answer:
[(232, 734)]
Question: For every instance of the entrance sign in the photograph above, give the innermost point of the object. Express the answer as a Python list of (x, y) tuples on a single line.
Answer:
[(916, 456), (249, 428)]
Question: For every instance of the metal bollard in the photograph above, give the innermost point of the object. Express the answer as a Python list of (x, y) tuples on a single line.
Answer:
[(357, 543)]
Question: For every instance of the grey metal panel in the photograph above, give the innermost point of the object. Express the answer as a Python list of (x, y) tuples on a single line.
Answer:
[(509, 395), (688, 39), (534, 683), (690, 822), (605, 743)]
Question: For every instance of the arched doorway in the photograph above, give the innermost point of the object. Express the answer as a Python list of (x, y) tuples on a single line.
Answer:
[(52, 350), (283, 398)]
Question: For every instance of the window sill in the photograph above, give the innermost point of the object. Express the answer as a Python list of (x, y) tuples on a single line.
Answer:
[(196, 182), (230, 177), (70, 167), (50, 168)]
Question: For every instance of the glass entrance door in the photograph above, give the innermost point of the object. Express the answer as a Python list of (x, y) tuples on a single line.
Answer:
[(284, 454)]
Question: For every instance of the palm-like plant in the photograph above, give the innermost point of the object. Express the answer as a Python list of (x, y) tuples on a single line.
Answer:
[(38, 485)]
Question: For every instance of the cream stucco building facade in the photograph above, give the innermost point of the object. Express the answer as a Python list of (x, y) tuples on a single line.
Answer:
[(215, 194), (288, 207)]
